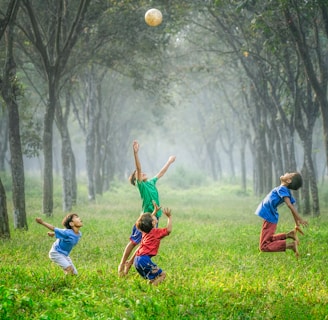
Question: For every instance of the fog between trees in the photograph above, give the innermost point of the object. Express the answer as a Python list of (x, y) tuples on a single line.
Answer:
[(237, 90)]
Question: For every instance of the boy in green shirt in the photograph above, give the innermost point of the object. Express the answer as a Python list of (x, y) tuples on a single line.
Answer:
[(148, 193)]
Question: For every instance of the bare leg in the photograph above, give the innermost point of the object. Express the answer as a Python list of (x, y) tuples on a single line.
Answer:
[(293, 235), (128, 264), (127, 251), (293, 246)]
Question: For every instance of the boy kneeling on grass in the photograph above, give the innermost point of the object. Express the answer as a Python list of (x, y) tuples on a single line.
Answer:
[(151, 238), (268, 211)]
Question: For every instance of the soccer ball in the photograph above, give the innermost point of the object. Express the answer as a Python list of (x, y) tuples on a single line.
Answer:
[(153, 17)]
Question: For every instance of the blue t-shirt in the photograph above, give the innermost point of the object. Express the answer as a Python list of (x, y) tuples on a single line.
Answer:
[(66, 240), (268, 208)]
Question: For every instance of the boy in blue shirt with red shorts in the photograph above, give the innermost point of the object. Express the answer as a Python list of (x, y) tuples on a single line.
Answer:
[(268, 210)]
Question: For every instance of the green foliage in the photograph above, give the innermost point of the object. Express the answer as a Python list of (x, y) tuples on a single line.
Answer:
[(214, 269), (185, 179)]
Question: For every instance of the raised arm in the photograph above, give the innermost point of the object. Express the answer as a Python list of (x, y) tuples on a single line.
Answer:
[(297, 218), (167, 212), (166, 166), (156, 208), (136, 159), (47, 225)]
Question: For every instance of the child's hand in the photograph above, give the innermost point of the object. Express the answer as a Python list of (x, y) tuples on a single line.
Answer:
[(298, 229), (135, 146), (51, 234), (39, 220), (302, 222), (156, 208), (167, 212), (172, 159)]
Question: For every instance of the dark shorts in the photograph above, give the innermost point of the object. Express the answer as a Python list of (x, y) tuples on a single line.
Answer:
[(147, 268)]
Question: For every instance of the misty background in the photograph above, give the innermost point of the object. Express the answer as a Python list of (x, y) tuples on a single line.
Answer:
[(237, 90)]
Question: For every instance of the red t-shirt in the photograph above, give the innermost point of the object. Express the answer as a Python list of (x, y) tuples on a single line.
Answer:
[(150, 242)]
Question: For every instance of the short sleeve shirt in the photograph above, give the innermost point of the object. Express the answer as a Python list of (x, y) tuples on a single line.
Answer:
[(150, 242), (268, 208), (66, 240), (148, 192)]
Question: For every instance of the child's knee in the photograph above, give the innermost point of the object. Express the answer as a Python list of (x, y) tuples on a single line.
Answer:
[(263, 248)]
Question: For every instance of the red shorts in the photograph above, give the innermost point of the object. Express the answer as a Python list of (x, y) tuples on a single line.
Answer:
[(270, 242)]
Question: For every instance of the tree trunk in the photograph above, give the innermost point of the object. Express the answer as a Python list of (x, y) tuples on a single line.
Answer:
[(4, 224), (312, 177), (10, 91), (47, 152), (67, 157), (3, 141), (74, 182), (305, 191), (243, 166), (90, 136)]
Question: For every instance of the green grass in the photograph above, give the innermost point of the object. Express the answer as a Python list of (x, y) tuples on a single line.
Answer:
[(214, 269)]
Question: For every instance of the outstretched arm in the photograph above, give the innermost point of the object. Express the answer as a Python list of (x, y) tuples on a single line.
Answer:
[(297, 218), (47, 225), (156, 208), (136, 160), (166, 166), (167, 212)]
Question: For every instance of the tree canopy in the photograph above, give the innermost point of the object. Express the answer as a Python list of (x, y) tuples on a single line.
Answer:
[(237, 89)]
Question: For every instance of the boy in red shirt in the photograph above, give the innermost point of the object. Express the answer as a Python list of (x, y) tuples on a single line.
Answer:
[(151, 238), (149, 193)]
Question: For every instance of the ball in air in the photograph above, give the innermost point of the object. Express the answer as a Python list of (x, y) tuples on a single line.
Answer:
[(153, 17)]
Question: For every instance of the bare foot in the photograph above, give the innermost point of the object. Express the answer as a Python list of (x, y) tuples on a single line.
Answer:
[(293, 246), (127, 267), (120, 270), (159, 279), (293, 235), (295, 249)]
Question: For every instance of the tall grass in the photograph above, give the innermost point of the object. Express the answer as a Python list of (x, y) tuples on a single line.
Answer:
[(214, 269)]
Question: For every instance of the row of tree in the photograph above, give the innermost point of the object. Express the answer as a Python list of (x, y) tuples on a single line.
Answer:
[(251, 74)]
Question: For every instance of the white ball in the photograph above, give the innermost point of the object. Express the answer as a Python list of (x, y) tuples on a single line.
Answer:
[(153, 17)]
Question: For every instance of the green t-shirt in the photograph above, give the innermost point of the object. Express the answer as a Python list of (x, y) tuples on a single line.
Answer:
[(148, 193)]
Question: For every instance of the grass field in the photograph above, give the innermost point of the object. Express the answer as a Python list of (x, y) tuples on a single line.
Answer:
[(214, 269)]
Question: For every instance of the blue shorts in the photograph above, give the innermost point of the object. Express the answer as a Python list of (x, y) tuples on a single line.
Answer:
[(147, 268), (136, 235)]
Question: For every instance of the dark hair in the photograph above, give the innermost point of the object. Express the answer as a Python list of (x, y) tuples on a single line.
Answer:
[(133, 178), (145, 222), (297, 182), (68, 219)]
